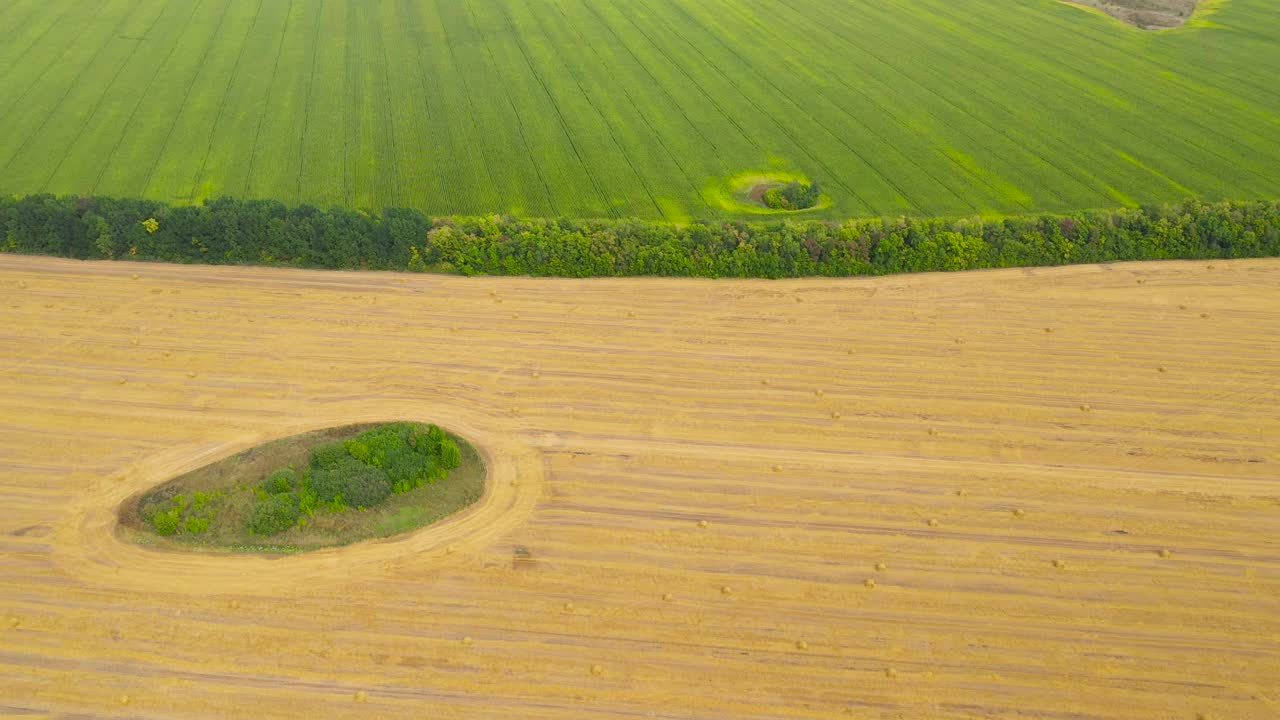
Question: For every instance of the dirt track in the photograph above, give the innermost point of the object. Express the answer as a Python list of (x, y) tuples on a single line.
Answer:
[(1060, 427)]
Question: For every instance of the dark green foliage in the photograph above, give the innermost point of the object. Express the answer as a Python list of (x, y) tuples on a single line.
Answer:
[(329, 481), (793, 196), (329, 455), (281, 481), (268, 233), (365, 487), (275, 514)]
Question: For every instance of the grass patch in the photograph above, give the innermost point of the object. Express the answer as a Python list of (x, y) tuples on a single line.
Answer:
[(215, 508)]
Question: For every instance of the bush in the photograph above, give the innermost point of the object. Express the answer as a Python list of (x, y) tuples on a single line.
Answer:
[(274, 515), (450, 454), (281, 481), (366, 487), (329, 455), (375, 446), (406, 468), (350, 481), (195, 525), (166, 522)]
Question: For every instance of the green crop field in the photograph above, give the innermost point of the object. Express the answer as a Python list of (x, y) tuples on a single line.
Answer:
[(636, 107)]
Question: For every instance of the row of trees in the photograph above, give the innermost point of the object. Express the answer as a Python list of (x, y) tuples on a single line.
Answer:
[(263, 232)]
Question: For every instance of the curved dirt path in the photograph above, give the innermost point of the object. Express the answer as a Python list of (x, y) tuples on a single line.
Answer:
[(1062, 483)]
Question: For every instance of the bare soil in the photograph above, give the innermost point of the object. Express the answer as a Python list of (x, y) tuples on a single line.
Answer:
[(1145, 14), (757, 191)]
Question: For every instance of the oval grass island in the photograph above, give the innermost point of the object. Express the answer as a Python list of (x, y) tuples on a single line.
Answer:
[(318, 489)]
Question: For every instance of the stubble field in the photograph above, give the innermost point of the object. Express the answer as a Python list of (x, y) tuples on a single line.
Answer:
[(636, 108), (1067, 475)]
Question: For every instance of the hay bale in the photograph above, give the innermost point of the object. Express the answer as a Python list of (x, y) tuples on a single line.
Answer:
[(234, 604), (450, 549), (1165, 552), (881, 567), (818, 392), (1019, 512), (536, 374), (835, 416), (668, 597), (597, 670), (467, 641), (568, 607), (1059, 564), (1162, 369), (869, 582), (802, 645), (134, 276), (764, 382), (122, 380), (14, 621), (1086, 408), (726, 590), (933, 431), (777, 468), (890, 672), (124, 700), (702, 523), (191, 374), (1048, 330), (932, 522), (361, 696)]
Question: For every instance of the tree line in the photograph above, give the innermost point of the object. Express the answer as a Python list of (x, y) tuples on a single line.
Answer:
[(265, 232)]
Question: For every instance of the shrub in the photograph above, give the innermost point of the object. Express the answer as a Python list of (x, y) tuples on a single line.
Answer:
[(280, 481), (166, 522), (274, 515), (366, 487), (375, 446), (329, 455), (450, 454), (195, 525), (350, 481)]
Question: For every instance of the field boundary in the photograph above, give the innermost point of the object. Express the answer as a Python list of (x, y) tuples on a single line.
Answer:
[(273, 234)]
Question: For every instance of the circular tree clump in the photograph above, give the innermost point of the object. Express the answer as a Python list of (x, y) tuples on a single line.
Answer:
[(767, 193)]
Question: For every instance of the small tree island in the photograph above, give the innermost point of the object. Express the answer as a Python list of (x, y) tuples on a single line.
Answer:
[(329, 487), (795, 195)]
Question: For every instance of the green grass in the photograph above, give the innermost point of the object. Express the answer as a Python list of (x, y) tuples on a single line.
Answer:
[(635, 107), (235, 478)]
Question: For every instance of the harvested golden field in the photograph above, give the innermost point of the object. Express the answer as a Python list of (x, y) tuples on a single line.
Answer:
[(1049, 493)]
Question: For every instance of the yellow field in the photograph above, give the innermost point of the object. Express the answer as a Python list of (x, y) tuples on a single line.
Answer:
[(1071, 477)]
